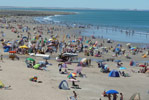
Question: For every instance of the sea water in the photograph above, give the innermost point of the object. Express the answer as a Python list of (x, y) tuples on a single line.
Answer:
[(120, 25)]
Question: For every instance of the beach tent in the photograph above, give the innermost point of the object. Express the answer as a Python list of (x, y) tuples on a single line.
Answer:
[(114, 73), (64, 85), (6, 50), (135, 96), (1, 84), (30, 59)]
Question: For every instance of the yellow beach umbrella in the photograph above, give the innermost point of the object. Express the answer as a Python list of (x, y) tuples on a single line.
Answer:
[(1, 84), (84, 60), (51, 39), (24, 46)]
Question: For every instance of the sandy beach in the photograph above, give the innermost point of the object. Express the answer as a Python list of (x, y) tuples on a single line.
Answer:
[(16, 73)]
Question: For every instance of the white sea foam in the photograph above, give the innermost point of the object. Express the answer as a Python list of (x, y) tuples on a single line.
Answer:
[(49, 18), (57, 15)]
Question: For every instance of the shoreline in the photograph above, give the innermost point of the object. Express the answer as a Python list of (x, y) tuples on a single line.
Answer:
[(130, 35), (9, 13)]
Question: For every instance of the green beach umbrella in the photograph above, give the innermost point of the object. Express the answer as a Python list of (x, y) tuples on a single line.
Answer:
[(30, 59), (45, 41), (36, 66)]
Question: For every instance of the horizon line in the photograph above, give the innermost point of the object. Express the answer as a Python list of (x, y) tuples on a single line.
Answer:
[(77, 8)]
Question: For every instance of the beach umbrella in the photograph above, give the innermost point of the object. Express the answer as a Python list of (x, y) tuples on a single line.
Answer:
[(6, 47), (128, 44), (118, 45), (112, 92), (73, 41), (36, 66), (117, 49), (142, 65), (24, 37), (71, 75), (117, 60), (1, 84), (30, 59), (12, 51), (133, 48), (122, 68), (84, 60), (135, 96), (51, 39), (24, 46)]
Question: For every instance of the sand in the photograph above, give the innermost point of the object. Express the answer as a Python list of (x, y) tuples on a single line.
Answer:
[(16, 74)]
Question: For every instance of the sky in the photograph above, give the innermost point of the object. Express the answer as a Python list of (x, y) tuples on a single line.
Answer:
[(101, 4)]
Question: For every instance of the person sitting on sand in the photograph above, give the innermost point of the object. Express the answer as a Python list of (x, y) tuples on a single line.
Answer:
[(73, 82)]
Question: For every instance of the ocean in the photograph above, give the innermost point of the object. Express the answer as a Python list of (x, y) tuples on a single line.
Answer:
[(119, 25)]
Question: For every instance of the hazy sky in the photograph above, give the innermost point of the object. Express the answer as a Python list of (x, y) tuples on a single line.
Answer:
[(104, 4)]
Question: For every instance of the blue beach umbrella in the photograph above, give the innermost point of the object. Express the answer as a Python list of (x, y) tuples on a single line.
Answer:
[(118, 45), (73, 41), (6, 47), (112, 92), (122, 68), (117, 49), (117, 60)]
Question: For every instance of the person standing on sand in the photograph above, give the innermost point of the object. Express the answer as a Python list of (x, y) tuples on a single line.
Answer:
[(109, 96), (114, 96), (1, 57), (75, 94), (121, 96)]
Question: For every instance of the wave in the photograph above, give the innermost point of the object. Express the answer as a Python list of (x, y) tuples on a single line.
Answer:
[(49, 18)]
